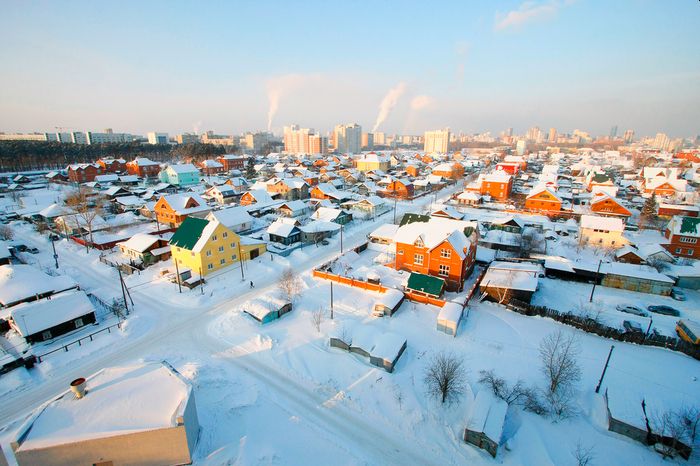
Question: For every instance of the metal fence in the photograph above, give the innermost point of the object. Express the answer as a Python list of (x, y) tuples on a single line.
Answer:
[(591, 325), (79, 341)]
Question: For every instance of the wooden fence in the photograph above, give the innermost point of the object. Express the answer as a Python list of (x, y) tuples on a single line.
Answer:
[(590, 325)]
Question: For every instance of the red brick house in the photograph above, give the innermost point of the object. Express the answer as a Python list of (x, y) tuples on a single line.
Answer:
[(669, 210), (604, 204), (143, 167), (84, 172), (498, 185), (683, 234), (112, 165), (439, 247), (543, 199), (400, 189), (512, 168), (232, 162)]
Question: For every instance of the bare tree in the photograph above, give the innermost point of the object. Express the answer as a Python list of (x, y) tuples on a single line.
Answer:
[(6, 232), (558, 354), (678, 430), (317, 318), (290, 284), (583, 454), (503, 293), (519, 394), (398, 396), (445, 377), (659, 264), (85, 209)]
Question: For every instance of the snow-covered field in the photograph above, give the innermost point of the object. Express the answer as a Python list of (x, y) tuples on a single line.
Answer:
[(279, 394)]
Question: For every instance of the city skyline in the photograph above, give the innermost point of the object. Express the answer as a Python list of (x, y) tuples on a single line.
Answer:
[(473, 68)]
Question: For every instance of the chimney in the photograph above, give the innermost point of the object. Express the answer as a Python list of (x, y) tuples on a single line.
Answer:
[(78, 387)]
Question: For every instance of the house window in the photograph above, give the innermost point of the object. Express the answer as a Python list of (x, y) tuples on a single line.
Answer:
[(46, 335), (192, 254), (679, 250), (79, 323), (225, 234), (685, 239), (418, 259), (233, 257), (221, 249), (208, 252), (222, 261), (400, 253), (233, 245), (445, 253), (210, 266), (444, 270), (214, 238)]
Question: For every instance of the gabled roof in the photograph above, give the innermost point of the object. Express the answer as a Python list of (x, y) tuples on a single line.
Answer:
[(231, 217), (686, 226), (37, 316), (541, 189), (188, 234), (183, 168)]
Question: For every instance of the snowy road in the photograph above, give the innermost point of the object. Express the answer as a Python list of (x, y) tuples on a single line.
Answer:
[(188, 324)]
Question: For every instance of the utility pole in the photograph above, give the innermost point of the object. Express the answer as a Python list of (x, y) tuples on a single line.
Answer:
[(341, 238), (121, 282), (651, 320), (607, 361), (53, 245), (240, 259), (595, 282), (177, 278), (201, 282), (331, 300)]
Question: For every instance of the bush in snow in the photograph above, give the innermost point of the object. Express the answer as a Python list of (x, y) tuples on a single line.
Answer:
[(584, 455), (289, 285), (317, 318), (6, 232), (445, 377)]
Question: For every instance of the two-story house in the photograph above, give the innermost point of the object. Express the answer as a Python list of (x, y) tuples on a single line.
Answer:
[(683, 234)]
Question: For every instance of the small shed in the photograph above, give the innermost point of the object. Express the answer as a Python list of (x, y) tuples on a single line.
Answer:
[(383, 349), (267, 308), (449, 317), (387, 351), (486, 417), (388, 303)]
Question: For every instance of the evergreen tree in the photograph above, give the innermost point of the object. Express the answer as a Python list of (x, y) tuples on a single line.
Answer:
[(250, 169), (648, 214)]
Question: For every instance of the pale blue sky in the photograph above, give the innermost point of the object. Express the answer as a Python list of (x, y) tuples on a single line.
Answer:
[(179, 66)]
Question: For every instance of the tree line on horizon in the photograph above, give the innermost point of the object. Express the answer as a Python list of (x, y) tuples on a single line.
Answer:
[(18, 156)]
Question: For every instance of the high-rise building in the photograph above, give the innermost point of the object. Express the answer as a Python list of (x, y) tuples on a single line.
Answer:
[(534, 134), (257, 141), (552, 137), (521, 147), (304, 141), (367, 141), (613, 132), (629, 136), (380, 139), (661, 141), (157, 138), (509, 133), (348, 138), (437, 141)]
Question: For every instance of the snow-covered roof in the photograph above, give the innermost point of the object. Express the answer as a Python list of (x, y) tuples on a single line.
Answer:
[(232, 217), (140, 242), (487, 414), (450, 312), (593, 222), (177, 202), (434, 232), (53, 211), (19, 282), (183, 168), (119, 400), (37, 316), (281, 228), (512, 275), (327, 214), (143, 162), (130, 201), (386, 231), (261, 306), (387, 346)]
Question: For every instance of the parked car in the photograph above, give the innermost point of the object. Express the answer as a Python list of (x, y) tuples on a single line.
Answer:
[(632, 310), (677, 294), (664, 310), (632, 327)]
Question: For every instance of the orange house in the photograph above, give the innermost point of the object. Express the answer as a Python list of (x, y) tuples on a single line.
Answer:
[(84, 172), (512, 168), (112, 165), (543, 199), (398, 189), (665, 187), (172, 210), (453, 172), (320, 163), (433, 249), (605, 205), (498, 185), (143, 167), (412, 170)]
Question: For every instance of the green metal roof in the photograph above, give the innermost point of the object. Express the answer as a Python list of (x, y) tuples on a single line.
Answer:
[(425, 283), (690, 225), (412, 218), (600, 178), (189, 233)]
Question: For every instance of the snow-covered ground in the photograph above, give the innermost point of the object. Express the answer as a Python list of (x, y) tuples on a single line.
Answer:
[(278, 394)]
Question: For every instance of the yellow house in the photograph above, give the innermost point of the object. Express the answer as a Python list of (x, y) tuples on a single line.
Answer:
[(205, 246), (372, 161)]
